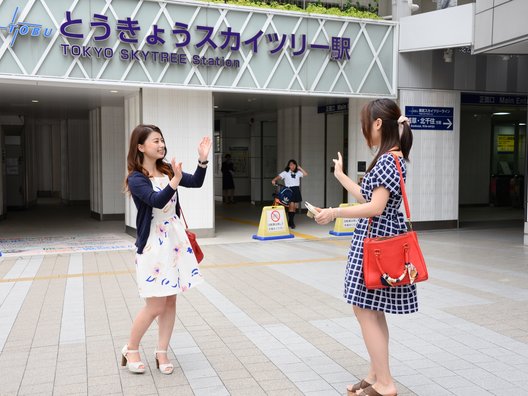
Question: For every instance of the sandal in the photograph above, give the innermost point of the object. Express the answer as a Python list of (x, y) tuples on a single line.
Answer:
[(356, 387), (133, 367), (370, 391), (166, 368)]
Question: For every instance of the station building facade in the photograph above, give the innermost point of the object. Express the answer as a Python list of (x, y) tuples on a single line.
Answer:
[(265, 85)]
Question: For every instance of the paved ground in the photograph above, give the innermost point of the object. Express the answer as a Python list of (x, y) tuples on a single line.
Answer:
[(269, 321)]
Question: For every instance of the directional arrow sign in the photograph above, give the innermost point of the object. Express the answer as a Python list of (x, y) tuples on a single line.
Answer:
[(431, 118)]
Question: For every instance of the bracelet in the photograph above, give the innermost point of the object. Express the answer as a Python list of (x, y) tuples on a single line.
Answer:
[(203, 162)]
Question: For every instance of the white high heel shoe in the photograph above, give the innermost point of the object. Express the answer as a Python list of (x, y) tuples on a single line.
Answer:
[(133, 367), (167, 368)]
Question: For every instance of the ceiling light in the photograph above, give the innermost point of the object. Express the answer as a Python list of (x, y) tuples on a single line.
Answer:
[(522, 123), (216, 107), (34, 101), (501, 113), (114, 91)]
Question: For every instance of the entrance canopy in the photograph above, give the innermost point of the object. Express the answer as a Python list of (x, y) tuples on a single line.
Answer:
[(197, 44)]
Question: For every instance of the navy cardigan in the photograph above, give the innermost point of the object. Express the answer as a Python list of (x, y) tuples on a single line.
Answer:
[(146, 198)]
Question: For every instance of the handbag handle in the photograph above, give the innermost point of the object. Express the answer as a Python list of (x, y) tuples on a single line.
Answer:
[(404, 194), (185, 221)]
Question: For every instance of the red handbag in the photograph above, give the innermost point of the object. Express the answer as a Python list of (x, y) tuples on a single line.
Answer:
[(397, 260), (198, 253)]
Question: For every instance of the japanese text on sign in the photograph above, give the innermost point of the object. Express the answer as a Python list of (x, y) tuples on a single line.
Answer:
[(434, 118)]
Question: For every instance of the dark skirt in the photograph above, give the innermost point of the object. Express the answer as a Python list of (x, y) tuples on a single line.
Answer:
[(296, 196)]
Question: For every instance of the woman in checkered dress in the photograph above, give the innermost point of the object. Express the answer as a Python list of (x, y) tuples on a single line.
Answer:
[(385, 128)]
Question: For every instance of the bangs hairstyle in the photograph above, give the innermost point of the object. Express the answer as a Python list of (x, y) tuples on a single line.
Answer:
[(135, 157), (292, 161), (389, 112)]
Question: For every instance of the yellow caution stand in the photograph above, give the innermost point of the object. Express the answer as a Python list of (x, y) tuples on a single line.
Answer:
[(273, 224), (344, 226)]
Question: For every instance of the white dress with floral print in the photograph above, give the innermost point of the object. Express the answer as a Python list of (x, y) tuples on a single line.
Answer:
[(167, 265)]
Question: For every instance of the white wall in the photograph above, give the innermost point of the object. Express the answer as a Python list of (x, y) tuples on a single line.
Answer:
[(113, 158), (184, 117), (428, 70), (335, 129), (132, 118), (448, 28), (312, 155), (433, 170), (106, 135), (357, 146), (2, 174), (96, 204), (491, 21)]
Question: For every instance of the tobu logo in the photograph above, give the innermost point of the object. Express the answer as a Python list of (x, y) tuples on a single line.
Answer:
[(17, 28)]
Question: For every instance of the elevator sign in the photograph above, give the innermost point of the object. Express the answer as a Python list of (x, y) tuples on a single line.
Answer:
[(435, 118)]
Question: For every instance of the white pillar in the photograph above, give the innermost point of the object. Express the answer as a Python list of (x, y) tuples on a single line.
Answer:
[(107, 158), (2, 175), (184, 117), (526, 201), (400, 9), (358, 151)]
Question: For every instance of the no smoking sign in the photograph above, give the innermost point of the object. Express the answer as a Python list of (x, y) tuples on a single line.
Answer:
[(275, 216)]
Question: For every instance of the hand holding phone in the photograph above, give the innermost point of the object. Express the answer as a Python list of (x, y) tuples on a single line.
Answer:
[(311, 209)]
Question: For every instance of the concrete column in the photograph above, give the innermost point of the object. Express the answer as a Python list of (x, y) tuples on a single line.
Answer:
[(400, 9), (358, 151), (526, 199), (184, 117), (2, 175), (107, 159)]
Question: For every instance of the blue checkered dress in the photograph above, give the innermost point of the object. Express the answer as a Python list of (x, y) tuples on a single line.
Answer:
[(396, 300)]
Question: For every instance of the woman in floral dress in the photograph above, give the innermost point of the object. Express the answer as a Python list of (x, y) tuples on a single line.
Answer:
[(165, 262)]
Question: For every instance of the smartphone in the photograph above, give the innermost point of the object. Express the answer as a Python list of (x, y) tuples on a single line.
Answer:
[(311, 209)]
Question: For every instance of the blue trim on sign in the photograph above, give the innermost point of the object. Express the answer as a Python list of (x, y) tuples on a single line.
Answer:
[(270, 238), (340, 233)]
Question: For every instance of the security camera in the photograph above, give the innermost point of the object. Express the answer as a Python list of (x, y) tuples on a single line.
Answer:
[(448, 55)]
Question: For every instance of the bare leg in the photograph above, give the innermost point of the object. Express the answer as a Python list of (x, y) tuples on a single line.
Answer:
[(153, 308), (376, 337), (166, 325)]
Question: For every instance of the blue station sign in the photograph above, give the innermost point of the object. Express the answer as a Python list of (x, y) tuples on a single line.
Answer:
[(435, 118)]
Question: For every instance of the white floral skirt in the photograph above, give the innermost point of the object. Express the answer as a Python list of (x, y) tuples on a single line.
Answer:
[(167, 265)]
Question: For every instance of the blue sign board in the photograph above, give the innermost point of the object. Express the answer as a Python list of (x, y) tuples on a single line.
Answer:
[(424, 117)]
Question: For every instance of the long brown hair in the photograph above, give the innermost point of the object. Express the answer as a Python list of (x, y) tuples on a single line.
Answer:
[(135, 157), (389, 112)]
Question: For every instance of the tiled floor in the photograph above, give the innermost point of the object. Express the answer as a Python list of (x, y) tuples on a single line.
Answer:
[(270, 320)]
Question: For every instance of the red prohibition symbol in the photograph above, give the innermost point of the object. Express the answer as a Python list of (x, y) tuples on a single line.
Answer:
[(275, 216)]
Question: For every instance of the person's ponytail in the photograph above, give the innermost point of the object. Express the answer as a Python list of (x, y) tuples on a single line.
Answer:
[(406, 140)]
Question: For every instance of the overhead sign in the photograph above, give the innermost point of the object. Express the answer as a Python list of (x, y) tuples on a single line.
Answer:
[(491, 99), (435, 118), (197, 44), (333, 108)]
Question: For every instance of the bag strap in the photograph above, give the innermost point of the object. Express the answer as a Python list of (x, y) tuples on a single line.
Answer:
[(182, 215), (404, 194), (402, 186)]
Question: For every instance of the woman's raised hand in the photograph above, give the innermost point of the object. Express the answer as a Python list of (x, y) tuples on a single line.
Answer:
[(203, 148), (338, 165), (177, 169)]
